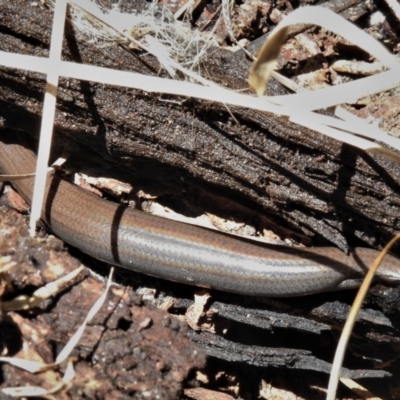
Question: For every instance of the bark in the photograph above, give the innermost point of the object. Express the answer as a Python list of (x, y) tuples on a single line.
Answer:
[(305, 181)]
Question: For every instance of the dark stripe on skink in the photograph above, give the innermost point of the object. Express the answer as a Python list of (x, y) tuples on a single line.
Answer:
[(186, 253)]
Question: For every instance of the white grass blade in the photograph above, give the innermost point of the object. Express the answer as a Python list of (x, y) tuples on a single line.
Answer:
[(49, 107)]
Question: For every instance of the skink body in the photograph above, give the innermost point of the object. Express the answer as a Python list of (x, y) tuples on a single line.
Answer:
[(186, 253)]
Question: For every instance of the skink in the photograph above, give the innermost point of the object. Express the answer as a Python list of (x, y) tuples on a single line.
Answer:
[(185, 253)]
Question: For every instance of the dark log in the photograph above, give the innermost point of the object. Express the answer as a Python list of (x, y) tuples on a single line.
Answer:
[(299, 178)]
